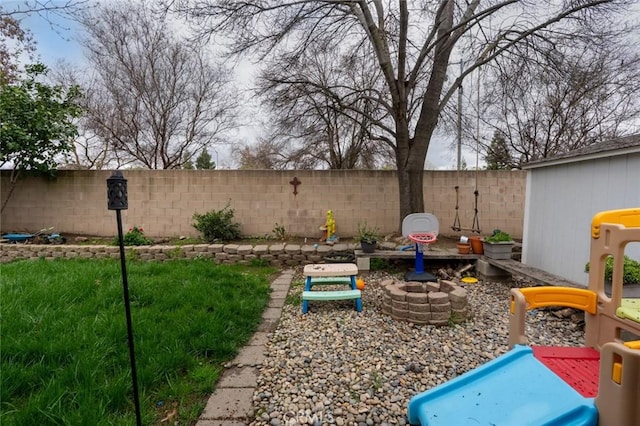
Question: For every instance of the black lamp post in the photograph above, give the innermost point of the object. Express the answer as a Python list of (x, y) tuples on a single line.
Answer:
[(117, 200)]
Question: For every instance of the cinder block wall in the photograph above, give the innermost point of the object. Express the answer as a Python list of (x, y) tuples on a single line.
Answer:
[(164, 201)]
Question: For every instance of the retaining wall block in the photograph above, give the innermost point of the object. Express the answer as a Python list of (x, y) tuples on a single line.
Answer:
[(261, 249), (399, 314), (231, 248), (398, 294), (276, 249), (441, 307), (419, 317), (397, 304), (308, 250), (417, 298), (419, 307), (432, 287), (458, 305), (245, 249), (386, 308), (292, 249), (458, 295), (438, 297), (414, 287), (447, 286)]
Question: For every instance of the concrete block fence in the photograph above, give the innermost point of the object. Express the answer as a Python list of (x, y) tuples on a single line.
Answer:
[(163, 201)]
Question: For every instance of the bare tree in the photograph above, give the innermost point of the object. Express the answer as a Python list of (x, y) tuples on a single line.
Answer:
[(47, 8), (323, 109), (267, 154), (575, 93), (413, 43), (14, 42), (153, 97), (55, 12), (89, 150)]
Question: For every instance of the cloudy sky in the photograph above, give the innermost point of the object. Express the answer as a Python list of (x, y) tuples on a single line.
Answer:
[(59, 42)]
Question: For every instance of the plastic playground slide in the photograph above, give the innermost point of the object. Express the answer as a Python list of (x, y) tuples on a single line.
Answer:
[(513, 389), (598, 384)]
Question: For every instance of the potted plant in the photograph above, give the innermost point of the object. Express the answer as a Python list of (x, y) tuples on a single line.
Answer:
[(498, 245), (368, 237)]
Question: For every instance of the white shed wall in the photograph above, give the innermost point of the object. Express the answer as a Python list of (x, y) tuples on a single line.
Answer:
[(560, 202)]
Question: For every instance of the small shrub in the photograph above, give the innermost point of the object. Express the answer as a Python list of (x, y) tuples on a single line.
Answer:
[(279, 232), (631, 270), (134, 237), (217, 225), (378, 264), (366, 233)]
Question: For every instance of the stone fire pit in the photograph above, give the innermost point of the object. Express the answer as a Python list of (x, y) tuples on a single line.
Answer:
[(425, 303)]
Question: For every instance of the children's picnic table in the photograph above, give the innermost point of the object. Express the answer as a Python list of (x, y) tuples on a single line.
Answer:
[(333, 273)]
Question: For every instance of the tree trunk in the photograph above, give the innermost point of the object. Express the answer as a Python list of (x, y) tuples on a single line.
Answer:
[(411, 192), (412, 152), (410, 172)]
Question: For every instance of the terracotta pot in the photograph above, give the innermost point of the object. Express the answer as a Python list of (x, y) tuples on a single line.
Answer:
[(464, 248), (476, 244)]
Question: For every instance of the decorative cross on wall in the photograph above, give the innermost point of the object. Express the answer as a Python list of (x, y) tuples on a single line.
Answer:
[(295, 182)]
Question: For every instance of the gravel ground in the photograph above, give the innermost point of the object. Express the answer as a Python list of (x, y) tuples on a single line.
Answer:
[(337, 366)]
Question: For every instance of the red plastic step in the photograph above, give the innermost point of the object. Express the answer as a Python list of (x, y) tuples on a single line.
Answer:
[(579, 367)]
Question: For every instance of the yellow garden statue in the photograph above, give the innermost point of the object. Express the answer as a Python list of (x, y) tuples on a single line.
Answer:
[(329, 229)]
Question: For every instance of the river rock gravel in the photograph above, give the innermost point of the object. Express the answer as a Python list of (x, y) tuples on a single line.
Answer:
[(337, 366)]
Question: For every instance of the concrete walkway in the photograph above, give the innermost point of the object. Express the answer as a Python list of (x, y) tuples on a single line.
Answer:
[(231, 404)]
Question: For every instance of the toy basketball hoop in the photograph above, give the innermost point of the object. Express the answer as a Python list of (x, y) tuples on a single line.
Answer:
[(421, 229), (423, 239)]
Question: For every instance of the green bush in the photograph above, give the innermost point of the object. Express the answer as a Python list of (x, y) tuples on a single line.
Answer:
[(498, 236), (631, 270), (134, 237), (217, 225)]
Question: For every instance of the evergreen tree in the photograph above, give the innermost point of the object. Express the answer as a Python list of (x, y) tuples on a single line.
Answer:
[(498, 156), (187, 164), (203, 162)]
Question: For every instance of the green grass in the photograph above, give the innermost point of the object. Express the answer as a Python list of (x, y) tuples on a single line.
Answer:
[(64, 352)]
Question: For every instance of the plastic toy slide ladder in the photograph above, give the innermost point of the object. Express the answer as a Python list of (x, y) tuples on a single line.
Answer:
[(513, 389)]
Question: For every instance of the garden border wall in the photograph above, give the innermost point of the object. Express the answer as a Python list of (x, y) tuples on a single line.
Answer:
[(279, 254)]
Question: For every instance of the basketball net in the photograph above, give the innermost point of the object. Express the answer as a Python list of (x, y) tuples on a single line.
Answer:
[(423, 240)]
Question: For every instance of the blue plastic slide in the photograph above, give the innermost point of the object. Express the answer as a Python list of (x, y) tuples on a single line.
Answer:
[(513, 389)]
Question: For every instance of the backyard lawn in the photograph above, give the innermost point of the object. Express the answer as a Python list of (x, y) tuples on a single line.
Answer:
[(64, 352)]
